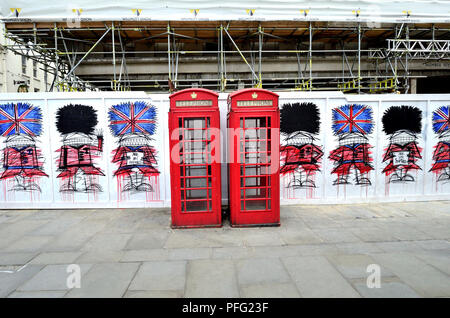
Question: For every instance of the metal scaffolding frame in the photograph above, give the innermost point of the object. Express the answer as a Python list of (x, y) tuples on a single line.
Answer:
[(387, 68)]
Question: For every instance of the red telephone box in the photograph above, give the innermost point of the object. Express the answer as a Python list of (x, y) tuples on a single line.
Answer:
[(253, 154), (194, 124)]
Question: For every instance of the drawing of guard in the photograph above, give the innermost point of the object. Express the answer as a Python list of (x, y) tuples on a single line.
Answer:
[(300, 156), (134, 123), (402, 124), (81, 146), (352, 124), (21, 124)]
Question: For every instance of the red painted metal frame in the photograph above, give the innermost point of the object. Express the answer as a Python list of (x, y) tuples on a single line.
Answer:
[(189, 212), (253, 156)]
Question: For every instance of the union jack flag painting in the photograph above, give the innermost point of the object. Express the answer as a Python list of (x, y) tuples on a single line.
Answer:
[(132, 117), (20, 118), (441, 119), (352, 119)]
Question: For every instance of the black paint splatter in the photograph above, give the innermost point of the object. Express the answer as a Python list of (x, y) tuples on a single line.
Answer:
[(299, 117), (76, 118), (403, 117)]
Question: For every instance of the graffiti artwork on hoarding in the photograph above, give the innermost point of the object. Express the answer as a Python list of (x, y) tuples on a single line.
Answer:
[(441, 154), (21, 124), (300, 156), (352, 124), (402, 124), (82, 145), (134, 123)]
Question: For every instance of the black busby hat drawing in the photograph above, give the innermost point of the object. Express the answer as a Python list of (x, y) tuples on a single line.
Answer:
[(76, 118), (299, 117), (397, 118)]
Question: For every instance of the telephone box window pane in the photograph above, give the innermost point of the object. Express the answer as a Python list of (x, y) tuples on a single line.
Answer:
[(197, 123), (255, 133), (194, 134), (194, 206), (255, 122), (195, 171), (194, 158), (252, 182), (255, 205), (254, 158), (255, 170), (256, 182), (255, 146), (255, 193), (195, 182), (195, 194), (194, 146)]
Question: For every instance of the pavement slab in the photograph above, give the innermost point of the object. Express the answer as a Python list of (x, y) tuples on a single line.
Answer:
[(316, 277), (264, 270), (165, 275), (426, 280), (270, 290), (318, 251), (105, 280), (52, 278), (211, 278), (10, 280)]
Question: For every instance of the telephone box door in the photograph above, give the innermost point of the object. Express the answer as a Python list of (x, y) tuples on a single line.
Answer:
[(194, 125), (254, 163)]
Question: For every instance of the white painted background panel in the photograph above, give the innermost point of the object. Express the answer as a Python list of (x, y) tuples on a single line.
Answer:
[(425, 187)]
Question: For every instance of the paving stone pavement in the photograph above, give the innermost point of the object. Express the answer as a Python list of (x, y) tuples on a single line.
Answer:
[(318, 251)]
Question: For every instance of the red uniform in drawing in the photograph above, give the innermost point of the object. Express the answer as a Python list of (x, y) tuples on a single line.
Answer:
[(130, 158), (79, 157), (402, 157), (441, 156), (306, 156), (353, 155), (21, 161)]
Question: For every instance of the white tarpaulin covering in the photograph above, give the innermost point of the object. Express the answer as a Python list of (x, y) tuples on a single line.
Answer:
[(260, 10)]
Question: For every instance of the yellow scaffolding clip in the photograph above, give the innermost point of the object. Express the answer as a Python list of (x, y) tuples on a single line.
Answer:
[(382, 85), (303, 86), (64, 87), (259, 84), (350, 85)]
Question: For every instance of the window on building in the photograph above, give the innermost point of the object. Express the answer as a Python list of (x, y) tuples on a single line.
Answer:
[(36, 90), (34, 69), (24, 64), (45, 76)]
